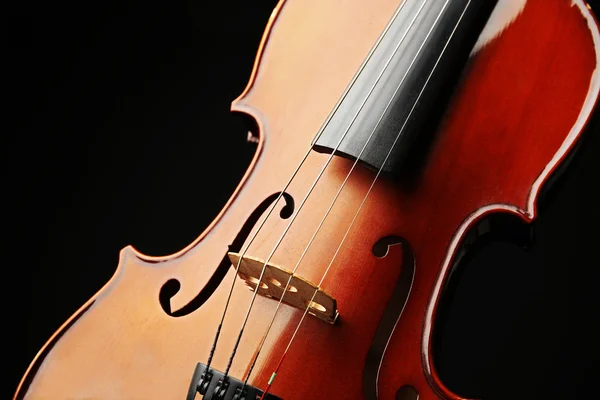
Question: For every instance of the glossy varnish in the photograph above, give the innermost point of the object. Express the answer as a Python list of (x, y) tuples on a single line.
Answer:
[(521, 105)]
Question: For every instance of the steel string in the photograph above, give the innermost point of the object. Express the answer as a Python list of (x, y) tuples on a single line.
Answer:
[(354, 118), (338, 192), (274, 205), (274, 374)]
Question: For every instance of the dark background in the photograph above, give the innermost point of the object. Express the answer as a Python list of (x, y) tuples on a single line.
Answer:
[(120, 133)]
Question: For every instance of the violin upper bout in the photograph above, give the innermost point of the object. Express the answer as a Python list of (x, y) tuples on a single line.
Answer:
[(523, 102)]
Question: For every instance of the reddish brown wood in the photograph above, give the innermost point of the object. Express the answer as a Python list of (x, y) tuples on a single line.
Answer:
[(524, 100)]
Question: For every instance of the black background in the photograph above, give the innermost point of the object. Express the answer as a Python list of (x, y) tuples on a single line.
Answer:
[(121, 134)]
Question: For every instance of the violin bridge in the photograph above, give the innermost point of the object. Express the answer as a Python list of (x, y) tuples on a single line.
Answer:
[(298, 294)]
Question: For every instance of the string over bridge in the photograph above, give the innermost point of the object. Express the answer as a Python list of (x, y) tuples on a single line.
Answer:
[(298, 294)]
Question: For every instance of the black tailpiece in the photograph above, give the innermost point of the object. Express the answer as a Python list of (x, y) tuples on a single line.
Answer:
[(211, 384)]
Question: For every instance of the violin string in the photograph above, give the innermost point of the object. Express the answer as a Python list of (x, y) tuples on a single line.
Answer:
[(333, 202), (274, 205), (300, 206), (220, 326), (274, 374)]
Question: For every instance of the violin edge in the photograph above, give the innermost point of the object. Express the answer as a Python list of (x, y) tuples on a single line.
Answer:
[(527, 214)]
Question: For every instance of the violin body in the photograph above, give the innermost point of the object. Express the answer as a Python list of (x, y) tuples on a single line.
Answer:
[(523, 100)]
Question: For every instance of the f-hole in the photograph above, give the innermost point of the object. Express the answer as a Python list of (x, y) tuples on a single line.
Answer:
[(172, 286), (382, 247), (391, 314)]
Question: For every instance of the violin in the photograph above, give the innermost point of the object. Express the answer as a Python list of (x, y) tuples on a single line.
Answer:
[(390, 135)]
